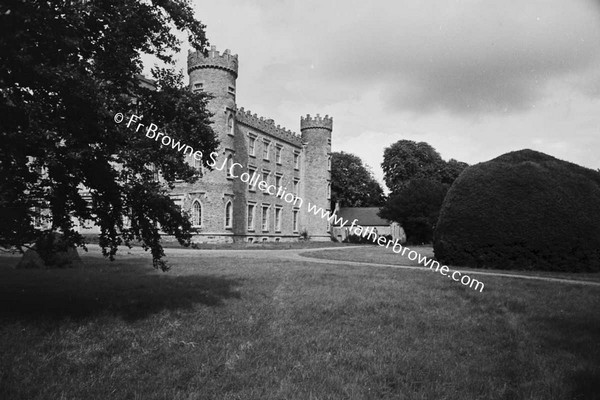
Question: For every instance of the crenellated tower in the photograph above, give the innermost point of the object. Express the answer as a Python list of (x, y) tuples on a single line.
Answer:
[(316, 174), (216, 74)]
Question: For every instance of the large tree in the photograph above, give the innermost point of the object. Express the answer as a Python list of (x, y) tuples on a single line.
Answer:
[(67, 67), (352, 183), (419, 179), (406, 160), (416, 207)]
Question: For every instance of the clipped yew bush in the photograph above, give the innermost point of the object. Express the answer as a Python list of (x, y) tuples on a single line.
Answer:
[(522, 210)]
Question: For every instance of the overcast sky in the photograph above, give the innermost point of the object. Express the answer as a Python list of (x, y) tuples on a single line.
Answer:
[(474, 79)]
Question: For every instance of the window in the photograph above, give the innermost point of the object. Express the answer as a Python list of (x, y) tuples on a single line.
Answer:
[(278, 219), (328, 226), (265, 218), (37, 219), (295, 221), (197, 163), (265, 176), (228, 214), (251, 171), (251, 208), (329, 190), (231, 90), (229, 165), (266, 145), (296, 160), (278, 181), (251, 145), (278, 150), (230, 125), (155, 174), (197, 213), (198, 87), (296, 186), (329, 163)]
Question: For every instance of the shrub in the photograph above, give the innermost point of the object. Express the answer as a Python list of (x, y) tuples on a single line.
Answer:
[(358, 239), (522, 210)]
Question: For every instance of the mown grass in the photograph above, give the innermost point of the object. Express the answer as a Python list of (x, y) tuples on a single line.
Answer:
[(381, 255), (227, 327)]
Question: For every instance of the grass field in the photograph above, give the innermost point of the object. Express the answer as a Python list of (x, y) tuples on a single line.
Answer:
[(381, 255), (248, 325)]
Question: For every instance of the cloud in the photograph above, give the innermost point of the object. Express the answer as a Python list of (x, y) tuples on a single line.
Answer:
[(462, 56), (473, 78)]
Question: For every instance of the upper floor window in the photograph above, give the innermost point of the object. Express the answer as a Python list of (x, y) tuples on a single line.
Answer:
[(198, 87), (230, 128), (329, 190), (265, 176), (296, 160), (251, 145), (296, 186), (278, 181), (229, 165), (251, 171), (329, 163), (266, 147), (278, 150)]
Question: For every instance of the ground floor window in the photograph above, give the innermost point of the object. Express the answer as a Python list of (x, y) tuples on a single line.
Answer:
[(295, 221), (228, 214), (197, 213), (265, 218), (251, 208)]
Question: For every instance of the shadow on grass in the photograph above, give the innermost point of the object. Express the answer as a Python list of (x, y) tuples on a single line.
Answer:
[(131, 290)]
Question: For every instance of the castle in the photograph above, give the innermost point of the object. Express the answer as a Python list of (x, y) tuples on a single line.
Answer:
[(226, 209)]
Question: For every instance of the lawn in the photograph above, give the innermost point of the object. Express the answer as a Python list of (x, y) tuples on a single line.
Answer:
[(243, 325), (381, 255)]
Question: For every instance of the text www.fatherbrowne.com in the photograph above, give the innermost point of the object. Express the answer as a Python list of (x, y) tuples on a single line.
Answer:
[(292, 198)]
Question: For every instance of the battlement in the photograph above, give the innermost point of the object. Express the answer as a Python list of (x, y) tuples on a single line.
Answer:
[(214, 59), (317, 122), (268, 126)]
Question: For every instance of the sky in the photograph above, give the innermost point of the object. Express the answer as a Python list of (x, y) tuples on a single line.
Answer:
[(474, 79)]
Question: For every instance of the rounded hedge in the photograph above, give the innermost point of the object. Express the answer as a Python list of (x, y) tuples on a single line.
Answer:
[(522, 210)]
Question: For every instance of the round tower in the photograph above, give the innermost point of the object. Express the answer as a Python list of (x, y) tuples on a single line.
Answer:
[(216, 74), (316, 174)]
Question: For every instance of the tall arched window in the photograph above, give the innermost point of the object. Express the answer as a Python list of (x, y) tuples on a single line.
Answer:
[(230, 125), (228, 214), (197, 213)]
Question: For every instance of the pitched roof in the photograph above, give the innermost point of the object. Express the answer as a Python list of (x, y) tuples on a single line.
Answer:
[(366, 216)]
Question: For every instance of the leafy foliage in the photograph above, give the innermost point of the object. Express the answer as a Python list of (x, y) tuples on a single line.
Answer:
[(406, 160), (416, 207), (67, 68), (522, 210), (352, 184), (419, 179)]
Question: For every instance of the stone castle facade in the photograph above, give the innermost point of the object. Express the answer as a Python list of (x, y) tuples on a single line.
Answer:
[(225, 209)]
